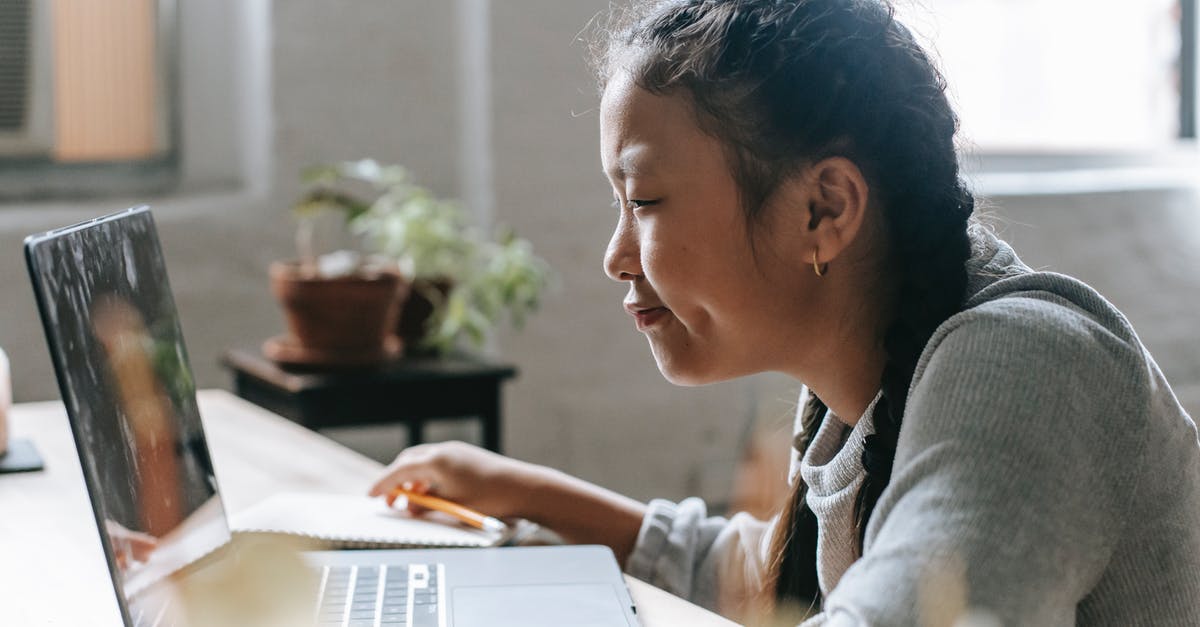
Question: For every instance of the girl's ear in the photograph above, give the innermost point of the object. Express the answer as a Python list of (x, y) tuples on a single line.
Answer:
[(838, 195)]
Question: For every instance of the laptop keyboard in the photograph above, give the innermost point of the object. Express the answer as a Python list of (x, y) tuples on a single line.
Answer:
[(404, 595)]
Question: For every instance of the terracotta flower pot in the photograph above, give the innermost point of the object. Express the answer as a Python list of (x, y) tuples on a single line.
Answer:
[(351, 319), (425, 296)]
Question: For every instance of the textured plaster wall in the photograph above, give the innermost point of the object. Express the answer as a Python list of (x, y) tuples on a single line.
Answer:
[(1140, 250), (380, 78)]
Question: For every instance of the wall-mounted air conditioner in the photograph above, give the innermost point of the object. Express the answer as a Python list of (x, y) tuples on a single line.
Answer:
[(26, 79)]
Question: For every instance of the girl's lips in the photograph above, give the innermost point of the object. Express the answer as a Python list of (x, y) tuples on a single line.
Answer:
[(647, 318)]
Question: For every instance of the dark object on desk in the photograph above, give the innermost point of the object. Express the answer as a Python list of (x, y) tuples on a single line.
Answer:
[(20, 457), (408, 391)]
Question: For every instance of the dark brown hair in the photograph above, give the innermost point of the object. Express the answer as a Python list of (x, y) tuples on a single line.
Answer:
[(784, 83)]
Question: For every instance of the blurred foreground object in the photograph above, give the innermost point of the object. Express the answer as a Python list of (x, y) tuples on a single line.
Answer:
[(19, 455), (5, 400)]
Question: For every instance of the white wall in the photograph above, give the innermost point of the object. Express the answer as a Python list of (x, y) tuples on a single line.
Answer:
[(383, 78)]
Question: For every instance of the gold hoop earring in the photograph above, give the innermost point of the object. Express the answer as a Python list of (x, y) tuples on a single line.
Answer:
[(816, 266)]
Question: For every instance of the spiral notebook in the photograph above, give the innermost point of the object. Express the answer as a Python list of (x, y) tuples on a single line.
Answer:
[(353, 521)]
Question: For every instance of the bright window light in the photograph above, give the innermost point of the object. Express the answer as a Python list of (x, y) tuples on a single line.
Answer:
[(1057, 76)]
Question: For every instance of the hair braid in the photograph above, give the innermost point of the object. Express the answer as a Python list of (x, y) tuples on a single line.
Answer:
[(930, 245), (933, 287), (794, 550)]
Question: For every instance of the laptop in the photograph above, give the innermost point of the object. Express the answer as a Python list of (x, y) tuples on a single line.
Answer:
[(118, 352)]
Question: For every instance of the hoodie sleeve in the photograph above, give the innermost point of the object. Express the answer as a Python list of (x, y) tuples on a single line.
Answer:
[(714, 562)]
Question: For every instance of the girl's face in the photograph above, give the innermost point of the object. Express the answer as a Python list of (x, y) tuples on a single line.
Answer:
[(715, 298)]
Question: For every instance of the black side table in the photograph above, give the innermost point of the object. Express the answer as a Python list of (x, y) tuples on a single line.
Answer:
[(408, 391)]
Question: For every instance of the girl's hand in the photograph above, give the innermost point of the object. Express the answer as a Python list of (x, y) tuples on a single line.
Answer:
[(503, 487), (479, 479)]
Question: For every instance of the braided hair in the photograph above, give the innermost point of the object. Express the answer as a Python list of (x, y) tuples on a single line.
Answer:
[(784, 83)]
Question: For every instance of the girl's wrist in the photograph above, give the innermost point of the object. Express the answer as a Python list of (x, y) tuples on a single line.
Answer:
[(536, 489)]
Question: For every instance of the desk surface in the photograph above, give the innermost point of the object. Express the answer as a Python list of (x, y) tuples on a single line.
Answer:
[(50, 551)]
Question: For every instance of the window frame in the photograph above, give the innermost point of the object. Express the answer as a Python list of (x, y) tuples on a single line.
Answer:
[(1187, 69), (36, 178)]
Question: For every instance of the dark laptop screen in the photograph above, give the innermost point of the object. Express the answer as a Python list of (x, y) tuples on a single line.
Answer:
[(115, 339)]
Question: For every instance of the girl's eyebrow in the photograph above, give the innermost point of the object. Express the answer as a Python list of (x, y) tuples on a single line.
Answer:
[(629, 164)]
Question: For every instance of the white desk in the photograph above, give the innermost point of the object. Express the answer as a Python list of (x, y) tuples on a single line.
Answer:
[(52, 567)]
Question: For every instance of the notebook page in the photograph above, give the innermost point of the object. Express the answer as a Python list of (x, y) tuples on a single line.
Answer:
[(356, 520)]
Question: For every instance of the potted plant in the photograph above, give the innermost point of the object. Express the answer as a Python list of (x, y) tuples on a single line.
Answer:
[(506, 278), (341, 307), (463, 283)]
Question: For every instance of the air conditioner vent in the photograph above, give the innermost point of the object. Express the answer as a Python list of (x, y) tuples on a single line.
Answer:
[(14, 63)]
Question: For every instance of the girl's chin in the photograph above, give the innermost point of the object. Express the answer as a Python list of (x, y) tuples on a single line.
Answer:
[(684, 370)]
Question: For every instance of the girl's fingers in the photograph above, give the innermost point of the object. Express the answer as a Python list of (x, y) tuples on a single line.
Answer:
[(419, 487), (396, 475), (410, 465)]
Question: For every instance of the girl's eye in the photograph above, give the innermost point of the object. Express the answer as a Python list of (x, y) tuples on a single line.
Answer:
[(633, 203)]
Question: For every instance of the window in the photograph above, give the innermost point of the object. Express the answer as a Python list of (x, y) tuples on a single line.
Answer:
[(86, 97), (1065, 76)]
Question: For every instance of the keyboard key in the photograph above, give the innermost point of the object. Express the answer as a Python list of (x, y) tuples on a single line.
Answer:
[(425, 616)]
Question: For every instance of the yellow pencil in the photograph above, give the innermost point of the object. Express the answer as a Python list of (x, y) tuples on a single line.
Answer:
[(465, 514)]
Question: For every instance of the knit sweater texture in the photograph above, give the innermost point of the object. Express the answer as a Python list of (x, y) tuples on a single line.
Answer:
[(1045, 474)]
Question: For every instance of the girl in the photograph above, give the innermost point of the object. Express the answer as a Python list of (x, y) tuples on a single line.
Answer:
[(971, 431)]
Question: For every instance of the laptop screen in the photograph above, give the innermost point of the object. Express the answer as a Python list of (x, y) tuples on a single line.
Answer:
[(123, 371)]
